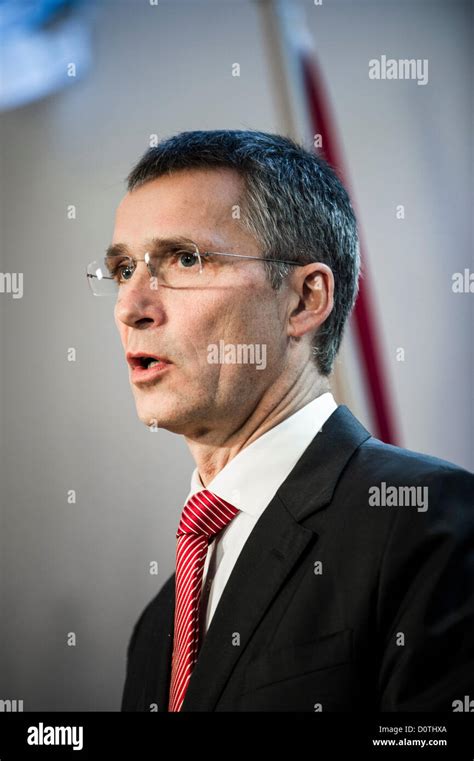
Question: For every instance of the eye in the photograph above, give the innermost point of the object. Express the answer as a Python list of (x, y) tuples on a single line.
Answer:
[(124, 272), (120, 270), (187, 259)]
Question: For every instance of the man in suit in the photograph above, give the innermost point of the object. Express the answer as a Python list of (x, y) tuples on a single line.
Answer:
[(318, 569)]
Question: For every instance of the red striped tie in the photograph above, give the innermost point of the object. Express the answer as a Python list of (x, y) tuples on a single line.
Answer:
[(204, 515)]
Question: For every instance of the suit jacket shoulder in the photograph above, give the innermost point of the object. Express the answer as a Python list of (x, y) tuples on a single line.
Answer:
[(354, 591)]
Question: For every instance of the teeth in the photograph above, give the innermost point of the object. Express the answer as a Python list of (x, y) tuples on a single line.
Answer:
[(153, 362)]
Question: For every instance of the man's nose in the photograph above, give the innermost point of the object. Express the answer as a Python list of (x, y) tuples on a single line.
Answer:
[(138, 303)]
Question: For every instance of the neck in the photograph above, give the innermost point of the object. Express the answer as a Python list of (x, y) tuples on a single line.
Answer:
[(272, 408)]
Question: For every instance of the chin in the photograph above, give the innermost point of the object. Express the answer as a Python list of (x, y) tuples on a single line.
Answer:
[(150, 418), (156, 417)]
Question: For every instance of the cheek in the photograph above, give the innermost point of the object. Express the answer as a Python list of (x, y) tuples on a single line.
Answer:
[(187, 332), (260, 315), (122, 331), (247, 315)]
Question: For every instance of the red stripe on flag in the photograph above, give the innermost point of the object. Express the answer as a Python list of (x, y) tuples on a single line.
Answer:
[(365, 325)]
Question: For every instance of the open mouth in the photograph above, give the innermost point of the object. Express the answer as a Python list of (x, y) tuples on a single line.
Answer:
[(145, 361), (145, 368), (148, 362)]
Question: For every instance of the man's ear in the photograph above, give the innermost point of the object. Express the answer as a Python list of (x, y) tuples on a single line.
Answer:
[(312, 298)]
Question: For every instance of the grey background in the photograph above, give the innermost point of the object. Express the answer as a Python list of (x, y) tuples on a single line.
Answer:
[(84, 567)]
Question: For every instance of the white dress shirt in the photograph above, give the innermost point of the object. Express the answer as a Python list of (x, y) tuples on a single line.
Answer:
[(249, 482)]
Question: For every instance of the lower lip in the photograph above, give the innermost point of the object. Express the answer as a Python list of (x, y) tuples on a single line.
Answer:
[(145, 374)]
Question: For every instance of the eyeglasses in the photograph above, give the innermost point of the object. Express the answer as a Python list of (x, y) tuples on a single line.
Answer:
[(180, 265)]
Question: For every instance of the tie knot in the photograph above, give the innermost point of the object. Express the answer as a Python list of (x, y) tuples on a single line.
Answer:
[(205, 513)]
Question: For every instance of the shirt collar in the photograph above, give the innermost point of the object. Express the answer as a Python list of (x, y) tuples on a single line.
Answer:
[(251, 479)]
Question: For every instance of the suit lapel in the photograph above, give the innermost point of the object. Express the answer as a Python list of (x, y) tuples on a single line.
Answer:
[(267, 558), (158, 668)]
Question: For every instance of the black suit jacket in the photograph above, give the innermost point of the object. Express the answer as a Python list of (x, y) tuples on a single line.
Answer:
[(334, 604)]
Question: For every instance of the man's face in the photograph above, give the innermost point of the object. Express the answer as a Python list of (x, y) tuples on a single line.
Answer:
[(193, 396)]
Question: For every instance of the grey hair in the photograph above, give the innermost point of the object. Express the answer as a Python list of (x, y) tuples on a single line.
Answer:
[(293, 204)]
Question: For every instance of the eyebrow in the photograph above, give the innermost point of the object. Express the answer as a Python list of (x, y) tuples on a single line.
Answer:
[(152, 245)]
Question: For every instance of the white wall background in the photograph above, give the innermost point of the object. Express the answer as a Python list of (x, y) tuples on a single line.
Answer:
[(83, 568)]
